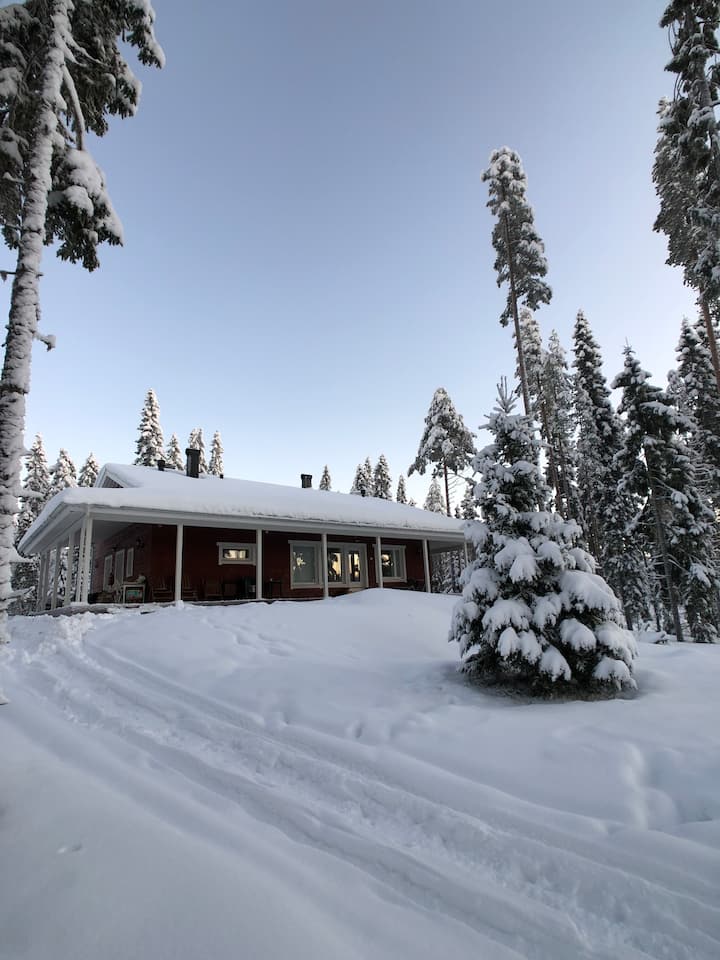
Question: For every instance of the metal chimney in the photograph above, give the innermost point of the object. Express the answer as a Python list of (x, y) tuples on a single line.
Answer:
[(161, 465), (192, 464), (306, 481)]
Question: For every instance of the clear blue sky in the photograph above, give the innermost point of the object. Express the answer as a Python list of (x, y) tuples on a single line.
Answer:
[(307, 249)]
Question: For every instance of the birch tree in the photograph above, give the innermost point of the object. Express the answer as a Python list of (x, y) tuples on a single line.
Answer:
[(64, 74)]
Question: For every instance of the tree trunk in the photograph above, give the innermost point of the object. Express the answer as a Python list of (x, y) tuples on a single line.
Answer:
[(447, 490), (662, 543), (516, 319), (24, 301), (712, 342)]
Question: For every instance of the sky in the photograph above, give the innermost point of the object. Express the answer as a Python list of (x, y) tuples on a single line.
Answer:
[(307, 249)]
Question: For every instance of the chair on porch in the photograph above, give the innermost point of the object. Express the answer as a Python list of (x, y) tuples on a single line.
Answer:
[(212, 590), (188, 591), (162, 590)]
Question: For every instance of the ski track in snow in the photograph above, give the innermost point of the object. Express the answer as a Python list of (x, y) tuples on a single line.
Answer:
[(502, 866)]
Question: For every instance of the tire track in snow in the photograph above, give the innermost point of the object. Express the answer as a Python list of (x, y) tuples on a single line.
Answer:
[(389, 832)]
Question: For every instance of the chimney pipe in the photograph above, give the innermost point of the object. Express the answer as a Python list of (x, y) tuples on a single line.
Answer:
[(161, 465), (192, 464), (306, 481)]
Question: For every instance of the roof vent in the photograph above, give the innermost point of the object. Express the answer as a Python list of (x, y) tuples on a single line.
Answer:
[(306, 481), (192, 464)]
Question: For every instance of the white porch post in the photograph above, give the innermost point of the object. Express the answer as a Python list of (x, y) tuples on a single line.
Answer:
[(68, 573), (81, 561), (426, 564), (40, 599), (259, 565), (178, 563), (56, 575), (378, 563), (85, 573), (324, 565)]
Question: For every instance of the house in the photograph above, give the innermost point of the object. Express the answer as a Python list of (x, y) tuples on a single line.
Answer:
[(154, 535)]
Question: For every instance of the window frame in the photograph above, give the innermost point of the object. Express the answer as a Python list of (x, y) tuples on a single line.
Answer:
[(316, 546), (230, 545), (400, 566)]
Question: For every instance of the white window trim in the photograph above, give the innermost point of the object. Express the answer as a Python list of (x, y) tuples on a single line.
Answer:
[(316, 545), (401, 565), (107, 570), (344, 549), (227, 545)]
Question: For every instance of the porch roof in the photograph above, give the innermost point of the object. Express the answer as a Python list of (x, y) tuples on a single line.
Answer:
[(134, 494)]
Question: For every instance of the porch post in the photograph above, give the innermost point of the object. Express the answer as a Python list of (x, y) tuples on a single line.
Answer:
[(178, 563), (56, 575), (85, 574), (81, 561), (258, 565), (68, 573), (467, 556), (378, 563), (426, 564), (39, 604), (324, 565)]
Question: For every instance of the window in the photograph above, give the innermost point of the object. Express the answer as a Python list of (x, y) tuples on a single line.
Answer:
[(305, 564), (236, 553), (393, 563)]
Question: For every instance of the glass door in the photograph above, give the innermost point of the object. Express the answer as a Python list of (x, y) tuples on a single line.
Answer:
[(356, 567)]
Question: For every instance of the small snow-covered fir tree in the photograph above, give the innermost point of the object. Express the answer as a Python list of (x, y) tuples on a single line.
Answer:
[(196, 442), (89, 472), (468, 506), (149, 447), (533, 613), (325, 479), (434, 501), (656, 464), (173, 455), (382, 484), (216, 467), (446, 442), (34, 496), (519, 252), (362, 483), (63, 473), (401, 495)]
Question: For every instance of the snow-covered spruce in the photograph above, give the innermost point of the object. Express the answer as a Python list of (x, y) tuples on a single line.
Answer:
[(434, 501), (533, 615), (382, 482), (401, 495), (149, 446), (196, 442), (216, 467), (89, 472), (325, 479), (173, 454)]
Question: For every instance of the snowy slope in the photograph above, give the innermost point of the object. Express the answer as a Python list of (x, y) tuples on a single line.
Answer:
[(315, 780)]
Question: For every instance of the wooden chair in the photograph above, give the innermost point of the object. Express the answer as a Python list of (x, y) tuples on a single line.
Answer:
[(162, 591), (188, 591), (212, 590), (229, 590)]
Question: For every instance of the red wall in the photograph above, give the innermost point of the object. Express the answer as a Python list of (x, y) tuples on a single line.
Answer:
[(154, 557)]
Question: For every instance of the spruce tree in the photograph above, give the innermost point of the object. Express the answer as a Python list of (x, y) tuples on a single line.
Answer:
[(173, 455), (196, 442), (434, 500), (559, 427), (64, 73), (89, 472), (62, 474), (520, 255), (35, 494), (687, 167), (656, 464), (325, 479), (216, 467), (446, 442), (149, 446), (362, 484), (401, 495), (468, 507), (533, 613), (382, 483)]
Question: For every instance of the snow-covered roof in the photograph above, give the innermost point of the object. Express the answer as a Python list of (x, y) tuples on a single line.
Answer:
[(150, 495)]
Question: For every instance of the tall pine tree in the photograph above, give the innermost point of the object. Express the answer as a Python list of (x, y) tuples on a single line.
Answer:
[(519, 252), (446, 442), (325, 479), (63, 473), (173, 454), (216, 467), (382, 484), (401, 495), (89, 472), (434, 500)]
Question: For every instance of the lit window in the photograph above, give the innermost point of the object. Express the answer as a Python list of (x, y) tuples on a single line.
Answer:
[(335, 566), (393, 563), (304, 564), (236, 553)]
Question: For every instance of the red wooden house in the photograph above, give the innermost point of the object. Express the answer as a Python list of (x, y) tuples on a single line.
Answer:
[(153, 535)]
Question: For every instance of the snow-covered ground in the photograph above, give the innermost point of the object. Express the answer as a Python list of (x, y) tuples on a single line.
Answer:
[(316, 780)]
